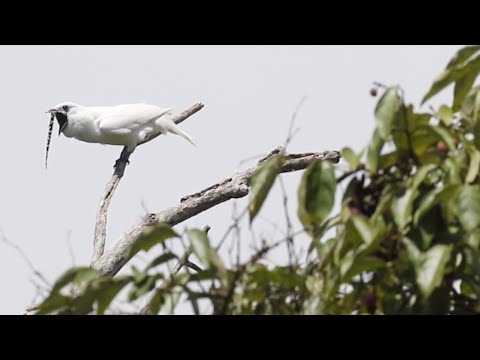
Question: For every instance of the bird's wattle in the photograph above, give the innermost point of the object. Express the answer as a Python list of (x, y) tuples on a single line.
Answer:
[(62, 121)]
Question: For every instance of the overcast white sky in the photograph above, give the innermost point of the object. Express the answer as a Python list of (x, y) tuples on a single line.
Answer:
[(249, 94)]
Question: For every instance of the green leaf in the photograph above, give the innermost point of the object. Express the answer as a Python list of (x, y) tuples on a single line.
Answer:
[(445, 114), (402, 207), (462, 55), (416, 120), (452, 170), (476, 106), (468, 206), (469, 105), (350, 157), (476, 133), (387, 160), (83, 278), (108, 290), (70, 275), (426, 204), (144, 287), (83, 304), (445, 135), (261, 183), (55, 301), (154, 235), (316, 194), (402, 204), (363, 264), (200, 246), (373, 153), (156, 302), (474, 166), (421, 174), (476, 126), (161, 259), (413, 253), (192, 297), (462, 87), (431, 268), (366, 231), (387, 109), (423, 139), (171, 301), (446, 78)]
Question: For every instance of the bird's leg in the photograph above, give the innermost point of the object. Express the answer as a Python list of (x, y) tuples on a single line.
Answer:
[(123, 159)]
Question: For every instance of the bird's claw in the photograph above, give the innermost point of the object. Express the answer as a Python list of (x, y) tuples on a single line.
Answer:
[(119, 161)]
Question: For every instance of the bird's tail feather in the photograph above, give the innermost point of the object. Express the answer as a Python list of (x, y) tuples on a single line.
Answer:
[(168, 125)]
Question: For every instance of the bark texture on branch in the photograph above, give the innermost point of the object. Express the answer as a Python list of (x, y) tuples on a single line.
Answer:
[(235, 187), (100, 233)]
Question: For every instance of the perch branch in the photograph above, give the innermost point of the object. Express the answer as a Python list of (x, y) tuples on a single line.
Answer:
[(100, 233), (235, 187)]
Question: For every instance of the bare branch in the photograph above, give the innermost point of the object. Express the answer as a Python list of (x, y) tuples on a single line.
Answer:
[(232, 188), (291, 130), (288, 222), (70, 247), (101, 221)]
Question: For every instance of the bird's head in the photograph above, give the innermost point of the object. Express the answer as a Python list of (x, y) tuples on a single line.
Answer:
[(60, 112), (63, 107)]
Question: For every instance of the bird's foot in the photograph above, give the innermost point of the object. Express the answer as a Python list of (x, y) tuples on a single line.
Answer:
[(119, 161)]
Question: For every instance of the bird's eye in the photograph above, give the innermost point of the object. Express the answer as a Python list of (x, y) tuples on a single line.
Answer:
[(65, 107)]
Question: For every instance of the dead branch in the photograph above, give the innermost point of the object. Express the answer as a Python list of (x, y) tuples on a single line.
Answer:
[(232, 188)]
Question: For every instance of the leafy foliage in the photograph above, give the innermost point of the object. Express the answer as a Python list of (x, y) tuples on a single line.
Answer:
[(405, 240)]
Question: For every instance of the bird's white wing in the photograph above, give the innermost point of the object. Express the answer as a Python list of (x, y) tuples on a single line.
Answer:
[(123, 119)]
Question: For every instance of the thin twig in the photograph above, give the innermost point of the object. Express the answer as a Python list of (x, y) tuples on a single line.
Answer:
[(232, 226), (25, 258), (101, 221), (70, 247), (291, 131), (350, 173), (290, 245)]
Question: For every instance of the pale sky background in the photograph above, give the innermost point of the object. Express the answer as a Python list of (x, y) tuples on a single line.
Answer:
[(249, 94)]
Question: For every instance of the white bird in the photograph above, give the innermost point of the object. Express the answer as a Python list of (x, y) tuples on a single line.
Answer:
[(128, 124)]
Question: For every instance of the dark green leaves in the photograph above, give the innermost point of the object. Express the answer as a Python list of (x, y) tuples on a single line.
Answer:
[(462, 70), (373, 153), (402, 204), (462, 87), (152, 236), (351, 158), (429, 266), (386, 111), (462, 55), (108, 289), (468, 206), (207, 255), (261, 183), (316, 194), (201, 246), (445, 114), (78, 275)]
